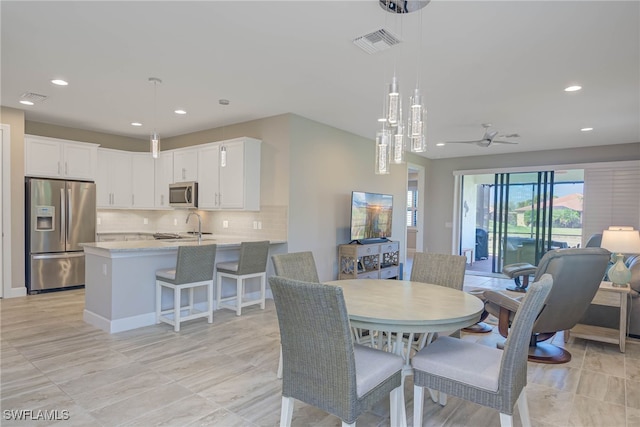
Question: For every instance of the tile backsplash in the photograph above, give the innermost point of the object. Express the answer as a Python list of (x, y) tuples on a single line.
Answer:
[(269, 223)]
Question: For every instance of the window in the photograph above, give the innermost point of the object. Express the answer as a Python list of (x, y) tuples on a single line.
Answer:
[(412, 208)]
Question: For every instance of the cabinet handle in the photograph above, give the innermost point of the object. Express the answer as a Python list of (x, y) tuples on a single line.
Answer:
[(220, 199), (216, 202), (162, 200), (133, 200), (66, 168), (184, 173), (58, 168)]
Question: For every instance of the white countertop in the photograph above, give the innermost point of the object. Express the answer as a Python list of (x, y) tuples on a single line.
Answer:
[(166, 245)]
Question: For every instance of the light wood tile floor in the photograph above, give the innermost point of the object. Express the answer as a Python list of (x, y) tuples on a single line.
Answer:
[(223, 374)]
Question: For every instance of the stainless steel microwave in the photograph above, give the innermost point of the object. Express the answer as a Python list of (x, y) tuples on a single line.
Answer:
[(183, 195)]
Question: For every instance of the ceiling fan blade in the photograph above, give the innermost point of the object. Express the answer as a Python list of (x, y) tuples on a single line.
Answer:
[(504, 142), (464, 142)]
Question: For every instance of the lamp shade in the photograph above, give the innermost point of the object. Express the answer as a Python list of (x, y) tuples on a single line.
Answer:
[(621, 240)]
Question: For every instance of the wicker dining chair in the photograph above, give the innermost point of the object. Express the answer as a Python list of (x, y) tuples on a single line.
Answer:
[(322, 365), (482, 374), (297, 266)]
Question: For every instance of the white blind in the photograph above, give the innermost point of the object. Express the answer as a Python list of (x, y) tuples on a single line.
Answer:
[(611, 197)]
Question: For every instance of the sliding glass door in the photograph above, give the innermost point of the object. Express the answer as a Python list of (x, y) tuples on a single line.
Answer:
[(519, 216)]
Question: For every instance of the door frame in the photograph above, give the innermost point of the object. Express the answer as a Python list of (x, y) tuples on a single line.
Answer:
[(5, 205)]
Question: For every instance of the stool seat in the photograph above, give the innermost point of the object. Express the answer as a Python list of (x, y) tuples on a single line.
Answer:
[(252, 264), (227, 267), (194, 268)]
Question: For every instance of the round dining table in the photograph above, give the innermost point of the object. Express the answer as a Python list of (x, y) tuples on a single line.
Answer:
[(394, 311), (403, 306)]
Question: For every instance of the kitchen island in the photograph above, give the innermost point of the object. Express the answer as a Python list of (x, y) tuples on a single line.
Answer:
[(120, 277)]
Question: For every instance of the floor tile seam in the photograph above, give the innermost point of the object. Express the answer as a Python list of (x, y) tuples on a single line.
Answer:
[(170, 381), (129, 421)]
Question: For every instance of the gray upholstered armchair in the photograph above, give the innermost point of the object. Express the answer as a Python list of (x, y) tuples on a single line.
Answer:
[(577, 274)]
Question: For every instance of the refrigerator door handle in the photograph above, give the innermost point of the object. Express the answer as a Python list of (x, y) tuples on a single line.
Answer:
[(69, 217), (63, 215), (60, 255)]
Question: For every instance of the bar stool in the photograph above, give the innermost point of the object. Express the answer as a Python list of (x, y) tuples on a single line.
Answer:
[(252, 263), (194, 268)]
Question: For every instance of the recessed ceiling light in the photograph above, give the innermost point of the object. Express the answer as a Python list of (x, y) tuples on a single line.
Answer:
[(136, 124), (59, 82), (180, 112), (25, 102), (572, 88), (440, 144), (586, 129)]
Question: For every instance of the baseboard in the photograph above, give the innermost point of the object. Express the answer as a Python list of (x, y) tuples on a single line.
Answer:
[(15, 292), (119, 325)]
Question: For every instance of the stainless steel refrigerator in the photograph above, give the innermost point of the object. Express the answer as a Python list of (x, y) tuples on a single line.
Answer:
[(59, 216)]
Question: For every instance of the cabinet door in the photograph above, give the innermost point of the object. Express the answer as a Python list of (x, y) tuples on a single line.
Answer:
[(232, 174), (103, 185), (164, 177), (143, 182), (113, 181), (120, 176), (185, 165), (43, 157), (79, 161), (208, 184)]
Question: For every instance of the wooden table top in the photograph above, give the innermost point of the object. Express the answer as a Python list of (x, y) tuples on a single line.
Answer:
[(405, 306)]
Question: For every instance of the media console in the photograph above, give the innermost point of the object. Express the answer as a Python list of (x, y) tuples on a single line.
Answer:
[(369, 261)]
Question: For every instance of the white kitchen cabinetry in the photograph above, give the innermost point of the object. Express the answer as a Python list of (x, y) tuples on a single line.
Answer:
[(229, 175), (143, 182), (114, 179), (164, 177), (58, 158), (185, 165)]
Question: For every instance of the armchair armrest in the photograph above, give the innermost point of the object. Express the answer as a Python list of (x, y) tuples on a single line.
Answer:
[(506, 307)]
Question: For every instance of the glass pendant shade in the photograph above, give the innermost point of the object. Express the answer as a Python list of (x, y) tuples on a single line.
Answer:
[(417, 123), (155, 145), (393, 103), (398, 146), (383, 150)]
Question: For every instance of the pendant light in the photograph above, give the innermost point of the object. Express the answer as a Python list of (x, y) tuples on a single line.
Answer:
[(383, 150), (418, 113), (155, 138)]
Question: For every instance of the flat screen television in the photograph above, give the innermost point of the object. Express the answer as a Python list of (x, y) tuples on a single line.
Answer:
[(371, 215)]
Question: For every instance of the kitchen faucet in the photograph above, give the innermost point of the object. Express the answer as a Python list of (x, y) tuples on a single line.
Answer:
[(199, 224)]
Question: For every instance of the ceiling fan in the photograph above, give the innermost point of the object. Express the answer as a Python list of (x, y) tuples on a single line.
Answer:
[(488, 138)]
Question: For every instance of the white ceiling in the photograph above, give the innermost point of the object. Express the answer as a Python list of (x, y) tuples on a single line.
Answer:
[(501, 62)]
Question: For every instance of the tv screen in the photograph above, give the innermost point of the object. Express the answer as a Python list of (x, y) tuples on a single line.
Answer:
[(371, 215)]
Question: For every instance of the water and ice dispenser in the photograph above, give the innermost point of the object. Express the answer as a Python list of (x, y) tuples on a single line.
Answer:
[(45, 218)]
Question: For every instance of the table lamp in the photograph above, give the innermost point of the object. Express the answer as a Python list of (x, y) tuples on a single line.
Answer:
[(620, 241)]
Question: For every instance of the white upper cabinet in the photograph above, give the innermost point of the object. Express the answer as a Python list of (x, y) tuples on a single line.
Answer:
[(229, 175), (164, 177), (143, 182), (208, 183), (185, 165), (114, 180), (57, 158)]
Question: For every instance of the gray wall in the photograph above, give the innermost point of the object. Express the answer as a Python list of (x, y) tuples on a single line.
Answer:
[(440, 180), (311, 168)]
